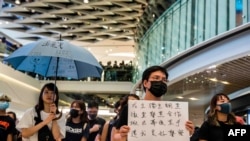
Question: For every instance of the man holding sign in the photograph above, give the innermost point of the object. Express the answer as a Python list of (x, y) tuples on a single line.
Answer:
[(154, 80)]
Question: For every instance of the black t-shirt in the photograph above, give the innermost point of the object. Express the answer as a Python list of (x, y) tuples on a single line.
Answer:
[(99, 121), (75, 131), (7, 126), (123, 118), (213, 133)]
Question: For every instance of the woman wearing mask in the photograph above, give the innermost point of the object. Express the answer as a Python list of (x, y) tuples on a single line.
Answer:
[(220, 116), (77, 128), (41, 122)]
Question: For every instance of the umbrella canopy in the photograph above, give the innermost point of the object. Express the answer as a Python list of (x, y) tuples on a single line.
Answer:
[(55, 58)]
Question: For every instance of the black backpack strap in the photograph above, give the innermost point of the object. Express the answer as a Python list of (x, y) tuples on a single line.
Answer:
[(38, 117), (44, 134)]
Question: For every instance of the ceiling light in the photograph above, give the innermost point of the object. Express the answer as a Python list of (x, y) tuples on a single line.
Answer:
[(213, 79), (17, 2), (106, 27), (85, 1), (225, 82), (180, 97), (193, 98), (212, 67)]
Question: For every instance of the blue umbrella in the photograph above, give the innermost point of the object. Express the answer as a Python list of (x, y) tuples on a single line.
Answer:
[(55, 58)]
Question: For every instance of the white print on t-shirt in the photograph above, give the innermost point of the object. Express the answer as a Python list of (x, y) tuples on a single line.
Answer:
[(73, 130)]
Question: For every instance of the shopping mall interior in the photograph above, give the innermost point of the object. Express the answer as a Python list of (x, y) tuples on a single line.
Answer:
[(204, 45)]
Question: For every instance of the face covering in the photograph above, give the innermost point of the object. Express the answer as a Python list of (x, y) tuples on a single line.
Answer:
[(226, 108), (4, 105), (73, 113), (158, 88), (92, 116)]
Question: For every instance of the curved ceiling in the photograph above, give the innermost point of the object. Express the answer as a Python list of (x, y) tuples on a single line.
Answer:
[(106, 27), (76, 20)]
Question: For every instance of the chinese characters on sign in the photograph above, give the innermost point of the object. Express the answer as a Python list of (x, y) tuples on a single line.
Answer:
[(157, 120)]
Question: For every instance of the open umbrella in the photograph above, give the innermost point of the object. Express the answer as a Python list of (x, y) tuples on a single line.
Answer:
[(55, 58)]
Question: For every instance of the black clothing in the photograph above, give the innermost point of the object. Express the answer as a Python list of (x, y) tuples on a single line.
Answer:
[(195, 136), (7, 126), (123, 118), (215, 133), (211, 133), (44, 134), (99, 121), (17, 135), (75, 131)]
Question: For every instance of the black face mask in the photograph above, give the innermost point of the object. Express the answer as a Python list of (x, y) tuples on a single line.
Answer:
[(92, 116), (226, 108), (74, 113), (158, 88)]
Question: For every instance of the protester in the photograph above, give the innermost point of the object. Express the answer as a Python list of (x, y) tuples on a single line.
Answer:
[(105, 135), (219, 116), (41, 122), (154, 81), (96, 123), (17, 135), (7, 124), (77, 127)]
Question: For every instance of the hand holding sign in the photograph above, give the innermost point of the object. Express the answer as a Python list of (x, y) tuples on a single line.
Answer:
[(158, 120)]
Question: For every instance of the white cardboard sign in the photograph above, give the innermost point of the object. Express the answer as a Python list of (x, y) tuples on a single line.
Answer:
[(157, 120)]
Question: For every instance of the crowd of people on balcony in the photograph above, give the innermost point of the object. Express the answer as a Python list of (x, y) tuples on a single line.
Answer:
[(112, 72), (117, 72)]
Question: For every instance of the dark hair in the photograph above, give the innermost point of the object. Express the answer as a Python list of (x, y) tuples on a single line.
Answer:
[(125, 99), (215, 98), (82, 106), (148, 71), (51, 87), (93, 104), (13, 113), (117, 104), (212, 116)]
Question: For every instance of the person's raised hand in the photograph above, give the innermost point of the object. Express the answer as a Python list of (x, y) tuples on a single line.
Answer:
[(124, 130), (190, 127), (53, 108), (50, 117), (96, 127)]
